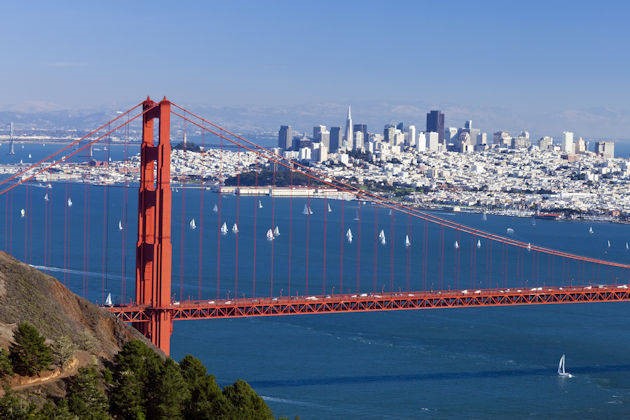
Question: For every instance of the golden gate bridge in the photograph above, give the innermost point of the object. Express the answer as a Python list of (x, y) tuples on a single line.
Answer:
[(428, 279)]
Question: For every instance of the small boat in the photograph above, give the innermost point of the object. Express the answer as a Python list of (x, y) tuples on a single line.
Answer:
[(215, 208), (608, 243), (381, 237), (46, 197), (389, 213), (29, 156), (22, 213), (260, 204), (307, 210), (356, 215), (234, 229), (407, 241), (561, 372), (590, 230), (108, 300), (456, 245), (276, 232), (349, 236), (627, 247), (192, 224), (120, 226), (269, 235), (484, 216), (509, 231), (529, 247), (329, 209), (69, 202), (224, 229), (478, 243)]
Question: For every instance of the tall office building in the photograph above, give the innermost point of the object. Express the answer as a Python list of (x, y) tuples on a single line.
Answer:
[(567, 142), (421, 142), (435, 124), (285, 137), (400, 126), (362, 128), (321, 135), (388, 133), (411, 137), (335, 139), (605, 149), (348, 131), (432, 141)]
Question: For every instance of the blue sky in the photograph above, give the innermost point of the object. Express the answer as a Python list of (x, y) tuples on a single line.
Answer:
[(548, 55)]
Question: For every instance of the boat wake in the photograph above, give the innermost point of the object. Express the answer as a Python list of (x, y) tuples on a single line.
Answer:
[(71, 271)]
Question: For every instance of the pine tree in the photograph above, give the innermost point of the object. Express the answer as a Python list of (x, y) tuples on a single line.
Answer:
[(167, 392), (246, 403), (29, 353), (85, 397), (6, 368), (206, 400)]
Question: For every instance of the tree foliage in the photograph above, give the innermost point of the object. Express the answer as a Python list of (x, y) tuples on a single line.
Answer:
[(6, 368), (85, 397), (29, 353)]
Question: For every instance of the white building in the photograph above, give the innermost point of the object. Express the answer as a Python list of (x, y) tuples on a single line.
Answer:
[(567, 142), (411, 138), (421, 142), (433, 141)]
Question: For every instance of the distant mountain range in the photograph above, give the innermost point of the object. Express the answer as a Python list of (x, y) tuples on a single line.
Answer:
[(593, 123)]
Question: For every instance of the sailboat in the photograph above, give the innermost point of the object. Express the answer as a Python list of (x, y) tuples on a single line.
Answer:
[(192, 224), (307, 210), (456, 245), (46, 197), (509, 231), (608, 242), (29, 156), (69, 202), (484, 216), (215, 208), (234, 229), (224, 229), (381, 237), (529, 247), (561, 371), (533, 222), (269, 235), (329, 209), (590, 230), (120, 226), (349, 236), (407, 241), (260, 204), (478, 243), (390, 212), (22, 213), (627, 247), (108, 300), (356, 215), (276, 232)]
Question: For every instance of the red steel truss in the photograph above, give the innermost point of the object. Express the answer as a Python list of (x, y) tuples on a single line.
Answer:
[(320, 304)]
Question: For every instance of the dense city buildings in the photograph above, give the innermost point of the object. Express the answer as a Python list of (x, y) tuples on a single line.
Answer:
[(285, 137), (435, 123)]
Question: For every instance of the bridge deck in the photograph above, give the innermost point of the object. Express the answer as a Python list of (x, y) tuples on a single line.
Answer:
[(339, 303)]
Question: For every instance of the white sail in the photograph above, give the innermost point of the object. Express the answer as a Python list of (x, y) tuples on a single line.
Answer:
[(215, 208), (260, 204), (478, 243), (329, 209), (608, 242), (276, 231), (381, 237), (310, 211), (69, 202), (484, 216), (46, 197), (269, 235), (29, 156), (306, 211), (407, 241), (108, 300), (120, 226), (192, 224), (234, 229), (224, 229), (529, 247), (590, 230), (509, 231), (22, 213), (356, 215), (456, 245), (349, 236), (390, 212), (627, 247), (561, 371)]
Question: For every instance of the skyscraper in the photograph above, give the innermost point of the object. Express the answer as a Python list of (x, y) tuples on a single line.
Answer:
[(285, 137), (348, 131), (435, 123), (362, 128), (335, 139)]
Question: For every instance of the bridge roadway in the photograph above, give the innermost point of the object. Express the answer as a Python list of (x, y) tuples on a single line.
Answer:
[(371, 302)]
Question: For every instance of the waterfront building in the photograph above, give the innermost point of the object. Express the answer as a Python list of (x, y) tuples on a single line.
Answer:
[(285, 137), (435, 123)]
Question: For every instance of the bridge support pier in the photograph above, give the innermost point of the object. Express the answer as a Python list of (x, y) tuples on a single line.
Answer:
[(154, 248)]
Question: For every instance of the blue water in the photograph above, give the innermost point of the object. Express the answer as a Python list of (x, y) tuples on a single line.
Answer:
[(464, 362)]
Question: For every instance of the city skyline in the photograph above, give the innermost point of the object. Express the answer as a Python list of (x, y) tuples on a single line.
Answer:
[(528, 61)]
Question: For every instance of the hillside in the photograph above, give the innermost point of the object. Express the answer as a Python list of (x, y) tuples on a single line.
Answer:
[(30, 295)]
